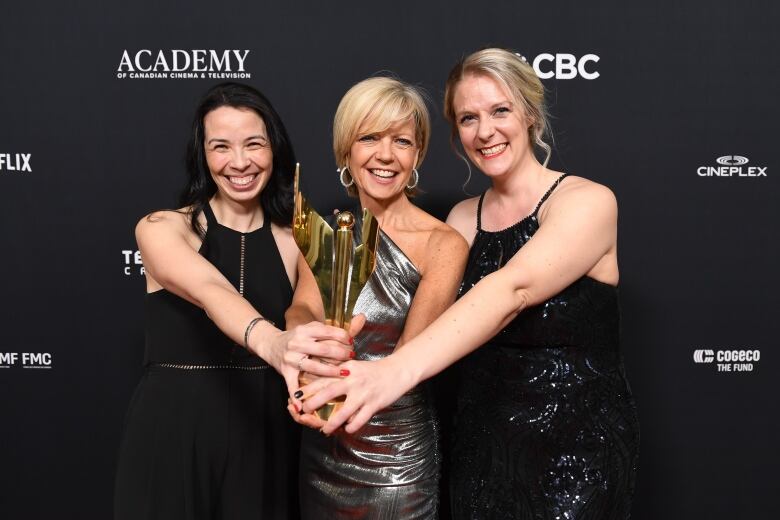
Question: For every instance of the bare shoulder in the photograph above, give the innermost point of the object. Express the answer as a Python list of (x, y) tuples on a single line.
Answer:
[(444, 245), (164, 223), (282, 233), (577, 195), (464, 214)]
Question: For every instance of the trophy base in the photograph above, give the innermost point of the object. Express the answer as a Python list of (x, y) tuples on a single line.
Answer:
[(325, 411)]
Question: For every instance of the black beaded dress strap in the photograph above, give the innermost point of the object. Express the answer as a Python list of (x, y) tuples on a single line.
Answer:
[(533, 213)]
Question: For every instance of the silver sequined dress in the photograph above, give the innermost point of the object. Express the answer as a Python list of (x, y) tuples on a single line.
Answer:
[(390, 468)]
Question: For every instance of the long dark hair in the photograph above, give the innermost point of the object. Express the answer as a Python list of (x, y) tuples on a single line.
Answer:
[(276, 199)]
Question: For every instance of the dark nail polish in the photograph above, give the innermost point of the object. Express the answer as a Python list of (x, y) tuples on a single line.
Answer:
[(298, 394), (344, 372)]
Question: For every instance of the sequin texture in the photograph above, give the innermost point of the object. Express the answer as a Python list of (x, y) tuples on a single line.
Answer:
[(546, 425)]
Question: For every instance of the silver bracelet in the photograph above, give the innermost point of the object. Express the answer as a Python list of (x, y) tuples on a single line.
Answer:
[(252, 326)]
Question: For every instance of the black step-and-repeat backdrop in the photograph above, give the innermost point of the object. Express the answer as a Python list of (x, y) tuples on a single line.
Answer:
[(672, 106)]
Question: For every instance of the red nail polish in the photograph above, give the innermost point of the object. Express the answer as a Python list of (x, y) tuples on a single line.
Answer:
[(344, 372), (351, 354), (351, 341)]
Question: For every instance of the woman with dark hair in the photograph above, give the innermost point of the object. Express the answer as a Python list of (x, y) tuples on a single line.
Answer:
[(207, 435)]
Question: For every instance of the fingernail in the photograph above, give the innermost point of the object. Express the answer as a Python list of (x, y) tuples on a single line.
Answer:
[(298, 410), (351, 340), (351, 354), (298, 394), (344, 372)]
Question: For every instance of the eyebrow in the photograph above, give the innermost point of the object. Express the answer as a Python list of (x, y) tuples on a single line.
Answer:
[(493, 107), (220, 140)]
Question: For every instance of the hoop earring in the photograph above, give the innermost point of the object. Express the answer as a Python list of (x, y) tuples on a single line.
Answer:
[(416, 176), (341, 177)]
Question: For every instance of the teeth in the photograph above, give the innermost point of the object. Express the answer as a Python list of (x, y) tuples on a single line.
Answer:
[(385, 174), (493, 150), (242, 181)]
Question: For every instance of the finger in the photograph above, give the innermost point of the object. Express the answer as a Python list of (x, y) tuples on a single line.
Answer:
[(356, 325), (318, 368), (307, 391), (334, 350), (358, 420), (338, 418), (334, 389), (333, 333), (312, 421)]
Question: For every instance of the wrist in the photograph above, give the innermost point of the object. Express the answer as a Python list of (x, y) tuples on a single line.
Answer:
[(263, 340), (410, 371)]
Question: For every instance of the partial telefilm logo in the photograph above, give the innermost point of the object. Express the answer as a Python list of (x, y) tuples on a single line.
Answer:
[(133, 263), (42, 360), (733, 360), (731, 166), (566, 66), (15, 162), (183, 64)]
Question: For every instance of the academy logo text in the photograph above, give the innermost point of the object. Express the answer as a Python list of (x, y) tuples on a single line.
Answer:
[(731, 166), (183, 64), (743, 360), (15, 162)]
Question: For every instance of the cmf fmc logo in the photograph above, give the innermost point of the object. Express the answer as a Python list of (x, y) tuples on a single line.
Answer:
[(729, 360), (732, 166)]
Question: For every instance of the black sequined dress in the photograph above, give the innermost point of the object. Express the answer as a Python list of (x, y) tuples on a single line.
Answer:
[(546, 426)]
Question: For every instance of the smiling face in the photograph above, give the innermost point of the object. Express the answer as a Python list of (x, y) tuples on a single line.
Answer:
[(493, 129), (382, 162), (238, 152)]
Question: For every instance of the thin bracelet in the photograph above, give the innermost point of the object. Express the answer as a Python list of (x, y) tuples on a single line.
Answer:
[(252, 326)]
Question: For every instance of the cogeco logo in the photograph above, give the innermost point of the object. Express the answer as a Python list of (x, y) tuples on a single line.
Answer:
[(183, 64), (566, 66), (729, 360), (732, 166), (15, 162)]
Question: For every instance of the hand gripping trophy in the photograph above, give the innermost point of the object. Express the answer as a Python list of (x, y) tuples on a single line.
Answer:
[(340, 267)]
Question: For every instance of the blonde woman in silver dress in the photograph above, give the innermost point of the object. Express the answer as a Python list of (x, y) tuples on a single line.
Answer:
[(390, 468)]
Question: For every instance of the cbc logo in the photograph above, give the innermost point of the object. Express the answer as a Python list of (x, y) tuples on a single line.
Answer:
[(565, 66), (703, 356), (732, 160)]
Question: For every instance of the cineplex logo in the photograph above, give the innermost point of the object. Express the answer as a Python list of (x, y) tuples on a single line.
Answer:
[(15, 162), (25, 359), (183, 64), (728, 360), (133, 262), (566, 66), (732, 166)]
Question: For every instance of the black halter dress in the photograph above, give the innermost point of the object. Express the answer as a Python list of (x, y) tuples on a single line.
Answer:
[(207, 435), (546, 426)]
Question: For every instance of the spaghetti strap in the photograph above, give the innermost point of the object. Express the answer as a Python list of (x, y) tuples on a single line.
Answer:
[(479, 211), (547, 193), (209, 214)]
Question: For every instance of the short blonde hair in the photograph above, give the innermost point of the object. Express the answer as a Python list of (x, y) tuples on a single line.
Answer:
[(374, 105), (517, 76)]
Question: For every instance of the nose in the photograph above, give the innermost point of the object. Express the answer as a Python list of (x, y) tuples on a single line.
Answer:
[(486, 129), (239, 160), (384, 151)]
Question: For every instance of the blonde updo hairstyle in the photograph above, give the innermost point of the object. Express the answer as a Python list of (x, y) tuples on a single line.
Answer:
[(517, 77), (374, 105)]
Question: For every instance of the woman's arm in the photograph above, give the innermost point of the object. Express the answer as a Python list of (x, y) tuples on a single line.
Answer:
[(170, 259), (578, 230), (441, 271)]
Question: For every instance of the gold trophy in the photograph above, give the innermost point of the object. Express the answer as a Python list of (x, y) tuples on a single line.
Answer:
[(340, 268)]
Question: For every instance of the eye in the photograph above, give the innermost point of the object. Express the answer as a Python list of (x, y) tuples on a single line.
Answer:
[(220, 147), (255, 145), (467, 118), (502, 110), (368, 138), (404, 142)]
